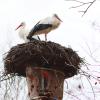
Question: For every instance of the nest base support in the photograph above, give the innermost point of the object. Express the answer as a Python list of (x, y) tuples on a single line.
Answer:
[(44, 84)]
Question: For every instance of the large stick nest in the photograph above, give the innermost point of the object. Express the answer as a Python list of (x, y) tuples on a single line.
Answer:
[(42, 54)]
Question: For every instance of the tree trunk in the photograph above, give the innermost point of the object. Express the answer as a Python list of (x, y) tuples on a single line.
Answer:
[(44, 84)]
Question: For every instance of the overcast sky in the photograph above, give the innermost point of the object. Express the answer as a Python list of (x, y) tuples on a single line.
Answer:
[(75, 31)]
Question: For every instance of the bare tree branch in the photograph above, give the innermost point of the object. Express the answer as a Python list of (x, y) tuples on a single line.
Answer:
[(88, 7), (83, 4)]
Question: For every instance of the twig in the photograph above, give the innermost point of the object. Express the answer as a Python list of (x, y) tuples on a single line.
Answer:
[(88, 75), (88, 7), (75, 1), (72, 95), (83, 4), (5, 77), (91, 87), (66, 83), (90, 53)]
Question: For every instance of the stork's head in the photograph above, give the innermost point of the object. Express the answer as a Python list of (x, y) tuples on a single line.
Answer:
[(21, 25), (56, 16)]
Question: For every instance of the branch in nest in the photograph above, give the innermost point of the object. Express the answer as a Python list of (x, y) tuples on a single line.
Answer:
[(6, 77), (83, 4)]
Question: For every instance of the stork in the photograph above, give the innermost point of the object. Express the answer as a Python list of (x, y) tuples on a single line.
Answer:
[(45, 26), (23, 32)]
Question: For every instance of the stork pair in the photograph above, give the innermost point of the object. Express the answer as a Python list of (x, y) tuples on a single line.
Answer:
[(42, 27)]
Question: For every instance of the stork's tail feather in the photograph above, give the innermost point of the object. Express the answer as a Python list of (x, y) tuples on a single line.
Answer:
[(29, 37)]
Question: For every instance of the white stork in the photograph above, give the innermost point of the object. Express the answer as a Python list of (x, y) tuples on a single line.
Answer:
[(45, 26), (23, 32)]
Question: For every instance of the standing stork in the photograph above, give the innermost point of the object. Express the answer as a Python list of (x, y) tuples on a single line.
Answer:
[(45, 26), (23, 32)]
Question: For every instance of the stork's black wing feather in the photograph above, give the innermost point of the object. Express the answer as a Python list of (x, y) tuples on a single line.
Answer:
[(38, 27)]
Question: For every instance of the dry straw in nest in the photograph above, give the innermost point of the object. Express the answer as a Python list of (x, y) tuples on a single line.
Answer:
[(43, 54)]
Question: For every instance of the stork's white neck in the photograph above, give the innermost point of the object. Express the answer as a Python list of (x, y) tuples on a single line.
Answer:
[(23, 32)]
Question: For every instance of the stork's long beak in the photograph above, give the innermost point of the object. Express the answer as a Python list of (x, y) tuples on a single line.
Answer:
[(59, 18), (18, 27)]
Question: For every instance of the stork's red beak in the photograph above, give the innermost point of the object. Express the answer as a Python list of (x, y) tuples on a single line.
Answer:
[(18, 27)]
